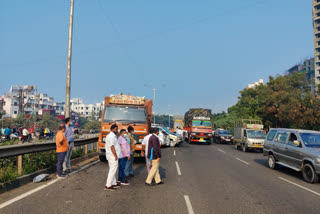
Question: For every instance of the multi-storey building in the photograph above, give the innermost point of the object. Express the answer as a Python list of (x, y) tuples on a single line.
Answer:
[(90, 111), (316, 36), (307, 67)]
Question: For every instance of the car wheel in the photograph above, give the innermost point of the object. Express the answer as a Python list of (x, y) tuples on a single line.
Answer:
[(172, 144), (102, 158), (271, 162), (309, 174), (244, 148)]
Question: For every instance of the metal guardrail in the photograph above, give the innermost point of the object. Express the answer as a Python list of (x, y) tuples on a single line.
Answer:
[(27, 148), (22, 149)]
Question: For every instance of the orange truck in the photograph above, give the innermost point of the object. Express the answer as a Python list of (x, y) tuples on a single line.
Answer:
[(125, 110)]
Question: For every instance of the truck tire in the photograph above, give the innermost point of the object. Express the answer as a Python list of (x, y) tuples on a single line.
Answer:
[(244, 148), (102, 158), (309, 174), (272, 162)]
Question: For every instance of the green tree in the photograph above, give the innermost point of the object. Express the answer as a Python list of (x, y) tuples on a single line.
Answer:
[(93, 124)]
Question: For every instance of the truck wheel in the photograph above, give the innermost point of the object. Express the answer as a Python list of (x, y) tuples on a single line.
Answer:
[(309, 174), (102, 158), (272, 162), (244, 148)]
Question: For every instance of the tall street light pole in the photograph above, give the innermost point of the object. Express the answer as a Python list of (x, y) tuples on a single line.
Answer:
[(68, 85), (154, 105)]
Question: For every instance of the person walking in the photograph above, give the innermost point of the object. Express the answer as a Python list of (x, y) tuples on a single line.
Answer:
[(125, 156), (128, 170), (68, 133), (154, 155), (62, 148), (113, 151), (145, 142)]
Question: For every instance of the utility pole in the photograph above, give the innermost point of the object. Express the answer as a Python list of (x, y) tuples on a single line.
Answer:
[(68, 85), (154, 105)]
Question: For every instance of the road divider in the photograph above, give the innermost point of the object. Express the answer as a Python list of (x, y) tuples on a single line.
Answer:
[(189, 206), (302, 187), (242, 161), (178, 168)]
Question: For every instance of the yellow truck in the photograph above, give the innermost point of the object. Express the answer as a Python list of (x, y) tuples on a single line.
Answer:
[(249, 134)]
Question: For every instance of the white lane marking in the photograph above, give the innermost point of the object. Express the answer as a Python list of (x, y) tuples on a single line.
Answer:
[(220, 150), (242, 161), (302, 187), (41, 187), (189, 206), (178, 168), (174, 152)]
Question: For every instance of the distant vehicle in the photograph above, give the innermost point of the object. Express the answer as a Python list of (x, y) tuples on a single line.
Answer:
[(222, 136), (126, 110), (295, 149), (198, 124), (170, 139), (249, 134)]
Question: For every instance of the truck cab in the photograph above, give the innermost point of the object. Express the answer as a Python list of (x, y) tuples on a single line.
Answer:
[(200, 130), (125, 110), (249, 134)]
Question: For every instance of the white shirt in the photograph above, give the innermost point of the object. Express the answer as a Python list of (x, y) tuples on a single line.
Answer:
[(179, 132), (145, 142), (111, 140), (25, 132)]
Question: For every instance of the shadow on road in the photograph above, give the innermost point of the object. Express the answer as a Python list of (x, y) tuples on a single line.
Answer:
[(281, 169)]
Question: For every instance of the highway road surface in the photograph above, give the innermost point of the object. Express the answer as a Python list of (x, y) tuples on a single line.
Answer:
[(197, 179)]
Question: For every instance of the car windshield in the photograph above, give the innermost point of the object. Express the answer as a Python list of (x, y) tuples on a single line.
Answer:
[(125, 114), (167, 130), (223, 132), (256, 134), (206, 124), (311, 139)]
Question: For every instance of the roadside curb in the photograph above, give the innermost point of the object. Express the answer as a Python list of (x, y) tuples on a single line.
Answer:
[(25, 179)]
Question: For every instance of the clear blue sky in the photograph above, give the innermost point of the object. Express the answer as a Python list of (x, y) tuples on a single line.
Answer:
[(196, 53)]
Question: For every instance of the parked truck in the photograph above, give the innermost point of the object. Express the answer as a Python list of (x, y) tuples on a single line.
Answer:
[(178, 122), (249, 134), (198, 125), (126, 110)]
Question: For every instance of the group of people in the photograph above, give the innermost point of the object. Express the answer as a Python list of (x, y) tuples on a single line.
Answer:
[(120, 154), (8, 133), (64, 147)]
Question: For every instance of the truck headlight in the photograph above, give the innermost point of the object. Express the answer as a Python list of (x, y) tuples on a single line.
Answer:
[(318, 160), (222, 138), (249, 142), (140, 140)]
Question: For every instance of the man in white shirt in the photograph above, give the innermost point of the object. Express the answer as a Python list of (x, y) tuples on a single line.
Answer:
[(113, 151), (25, 132), (145, 142)]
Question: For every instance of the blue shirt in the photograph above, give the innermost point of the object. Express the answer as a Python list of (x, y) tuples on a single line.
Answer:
[(68, 133), (7, 131)]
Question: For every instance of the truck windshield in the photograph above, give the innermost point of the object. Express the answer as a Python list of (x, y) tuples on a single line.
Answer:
[(125, 114), (256, 134), (178, 124), (206, 124), (311, 139)]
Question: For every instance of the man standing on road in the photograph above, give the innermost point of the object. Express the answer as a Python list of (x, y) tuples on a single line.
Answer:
[(145, 142), (154, 155), (113, 151), (125, 156), (128, 170), (68, 133), (62, 148)]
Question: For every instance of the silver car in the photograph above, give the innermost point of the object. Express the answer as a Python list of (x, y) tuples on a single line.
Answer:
[(296, 149)]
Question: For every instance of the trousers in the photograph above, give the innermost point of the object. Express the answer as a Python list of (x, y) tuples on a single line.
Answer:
[(154, 173), (66, 163), (60, 159), (128, 170), (113, 167)]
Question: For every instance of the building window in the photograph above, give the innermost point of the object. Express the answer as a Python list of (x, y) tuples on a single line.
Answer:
[(15, 112), (87, 108), (86, 113), (81, 108)]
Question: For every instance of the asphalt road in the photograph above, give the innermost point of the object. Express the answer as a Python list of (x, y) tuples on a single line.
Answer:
[(210, 179)]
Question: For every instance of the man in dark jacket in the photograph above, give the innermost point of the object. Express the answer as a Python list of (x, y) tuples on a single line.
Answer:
[(154, 155)]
